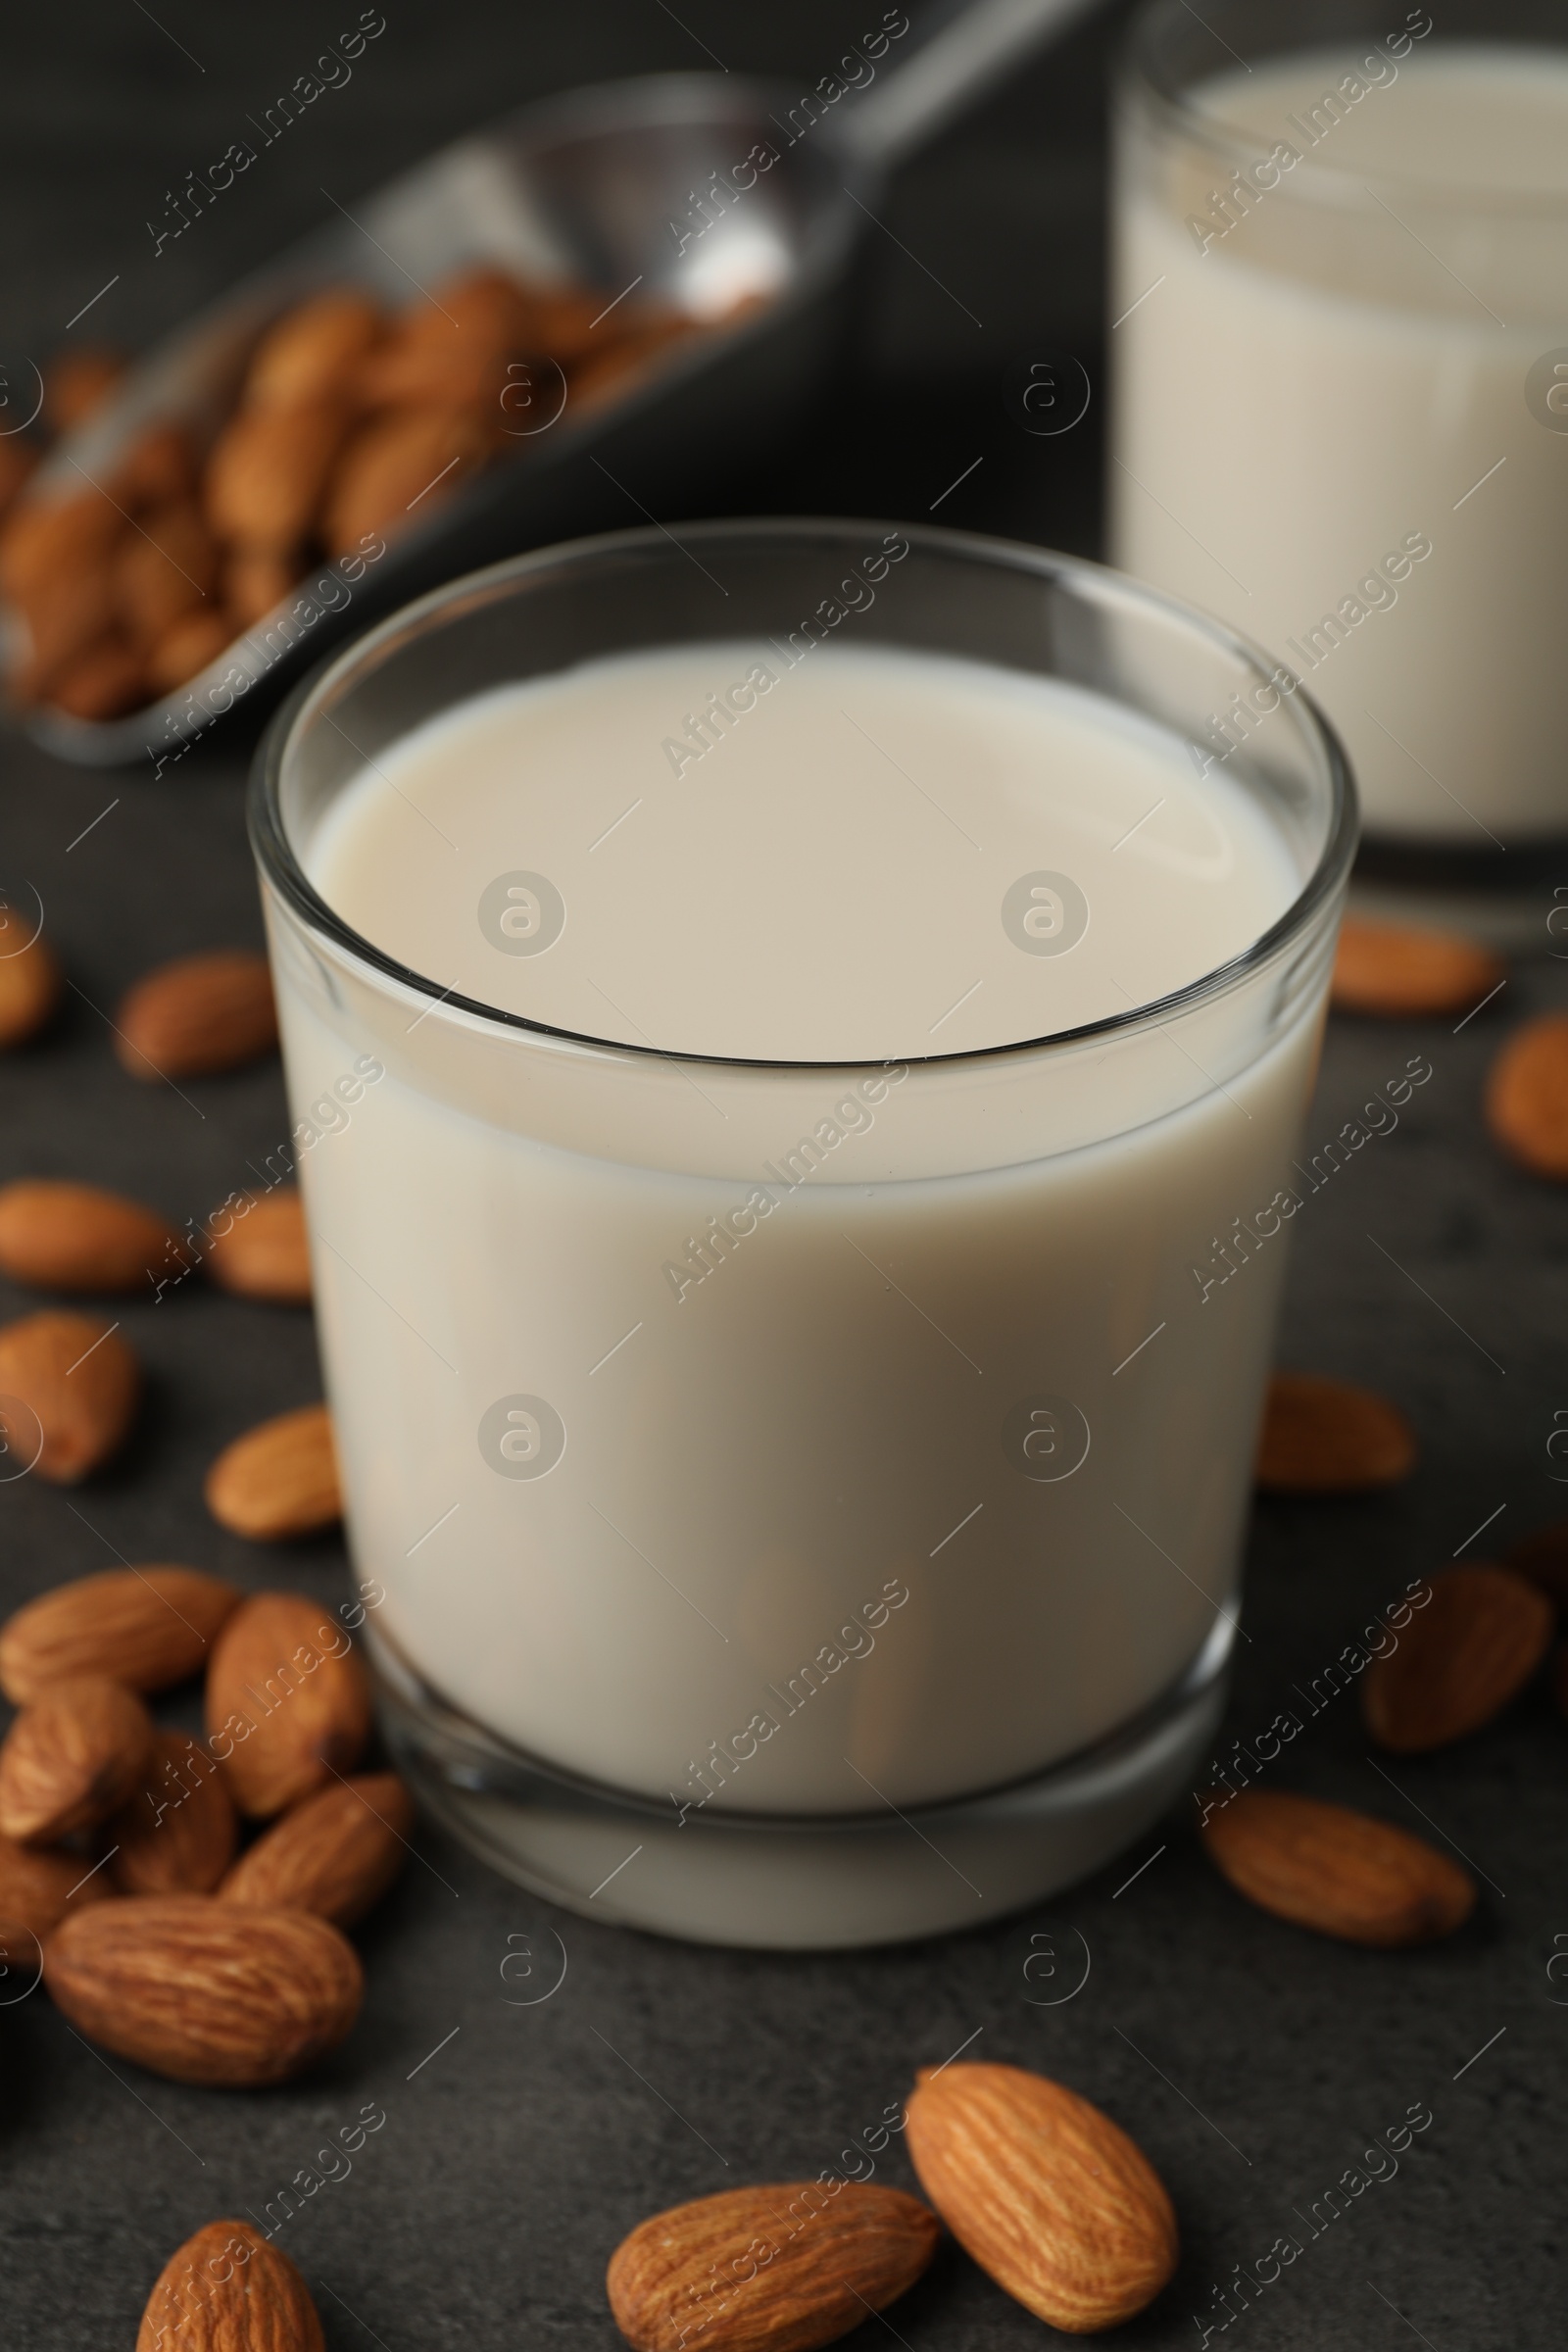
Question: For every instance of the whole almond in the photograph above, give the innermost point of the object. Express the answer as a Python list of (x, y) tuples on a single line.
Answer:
[(1527, 1096), (308, 355), (335, 1853), (74, 1237), (35, 1889), (68, 1387), (198, 1015), (261, 1251), (268, 472), (1337, 1872), (1461, 1659), (280, 1479), (1324, 1437), (148, 1626), (71, 1757), (288, 1701), (769, 2269), (203, 1992), (1047, 2193), (178, 1833), (165, 568), (30, 979), (1391, 969), (229, 2290), (399, 470)]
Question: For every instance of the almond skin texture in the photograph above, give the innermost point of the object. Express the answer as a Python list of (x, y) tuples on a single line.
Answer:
[(71, 1381), (203, 1992), (1459, 1661), (288, 1702), (800, 2266), (149, 1628), (197, 1017), (35, 1888), (74, 1237), (1387, 970), (1324, 1437), (29, 979), (1044, 2191), (71, 1758), (178, 1832), (228, 2289), (280, 1479), (261, 1251), (1527, 1097), (335, 1854), (1337, 1872)]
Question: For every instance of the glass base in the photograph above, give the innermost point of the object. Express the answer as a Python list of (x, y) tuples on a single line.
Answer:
[(1502, 899), (788, 1882)]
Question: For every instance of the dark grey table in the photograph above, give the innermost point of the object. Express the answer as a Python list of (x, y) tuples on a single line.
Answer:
[(1253, 2063)]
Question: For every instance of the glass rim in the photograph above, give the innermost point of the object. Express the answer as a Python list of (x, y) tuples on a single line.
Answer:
[(1140, 70), (275, 856)]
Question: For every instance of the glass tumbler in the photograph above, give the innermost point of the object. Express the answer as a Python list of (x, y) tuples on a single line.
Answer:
[(1340, 355), (772, 1615)]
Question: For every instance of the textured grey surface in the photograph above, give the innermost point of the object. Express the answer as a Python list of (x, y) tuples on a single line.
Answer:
[(1251, 2062)]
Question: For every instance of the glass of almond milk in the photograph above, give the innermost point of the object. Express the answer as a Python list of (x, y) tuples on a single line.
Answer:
[(796, 1050), (1340, 355)]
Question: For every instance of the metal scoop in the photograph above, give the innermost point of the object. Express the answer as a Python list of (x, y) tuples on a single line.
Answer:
[(733, 200)]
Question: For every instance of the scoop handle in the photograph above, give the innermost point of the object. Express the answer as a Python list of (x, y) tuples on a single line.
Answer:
[(960, 52)]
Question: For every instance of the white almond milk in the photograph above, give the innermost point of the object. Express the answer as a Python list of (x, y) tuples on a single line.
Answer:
[(1327, 429), (792, 1457)]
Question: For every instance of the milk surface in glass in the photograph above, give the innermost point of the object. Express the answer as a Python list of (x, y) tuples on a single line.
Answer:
[(1335, 423), (870, 1482)]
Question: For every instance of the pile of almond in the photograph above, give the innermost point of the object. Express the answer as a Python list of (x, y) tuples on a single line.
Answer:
[(352, 424), (120, 1855)]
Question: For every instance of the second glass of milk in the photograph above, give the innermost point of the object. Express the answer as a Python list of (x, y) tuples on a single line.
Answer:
[(1341, 364), (797, 1051)]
